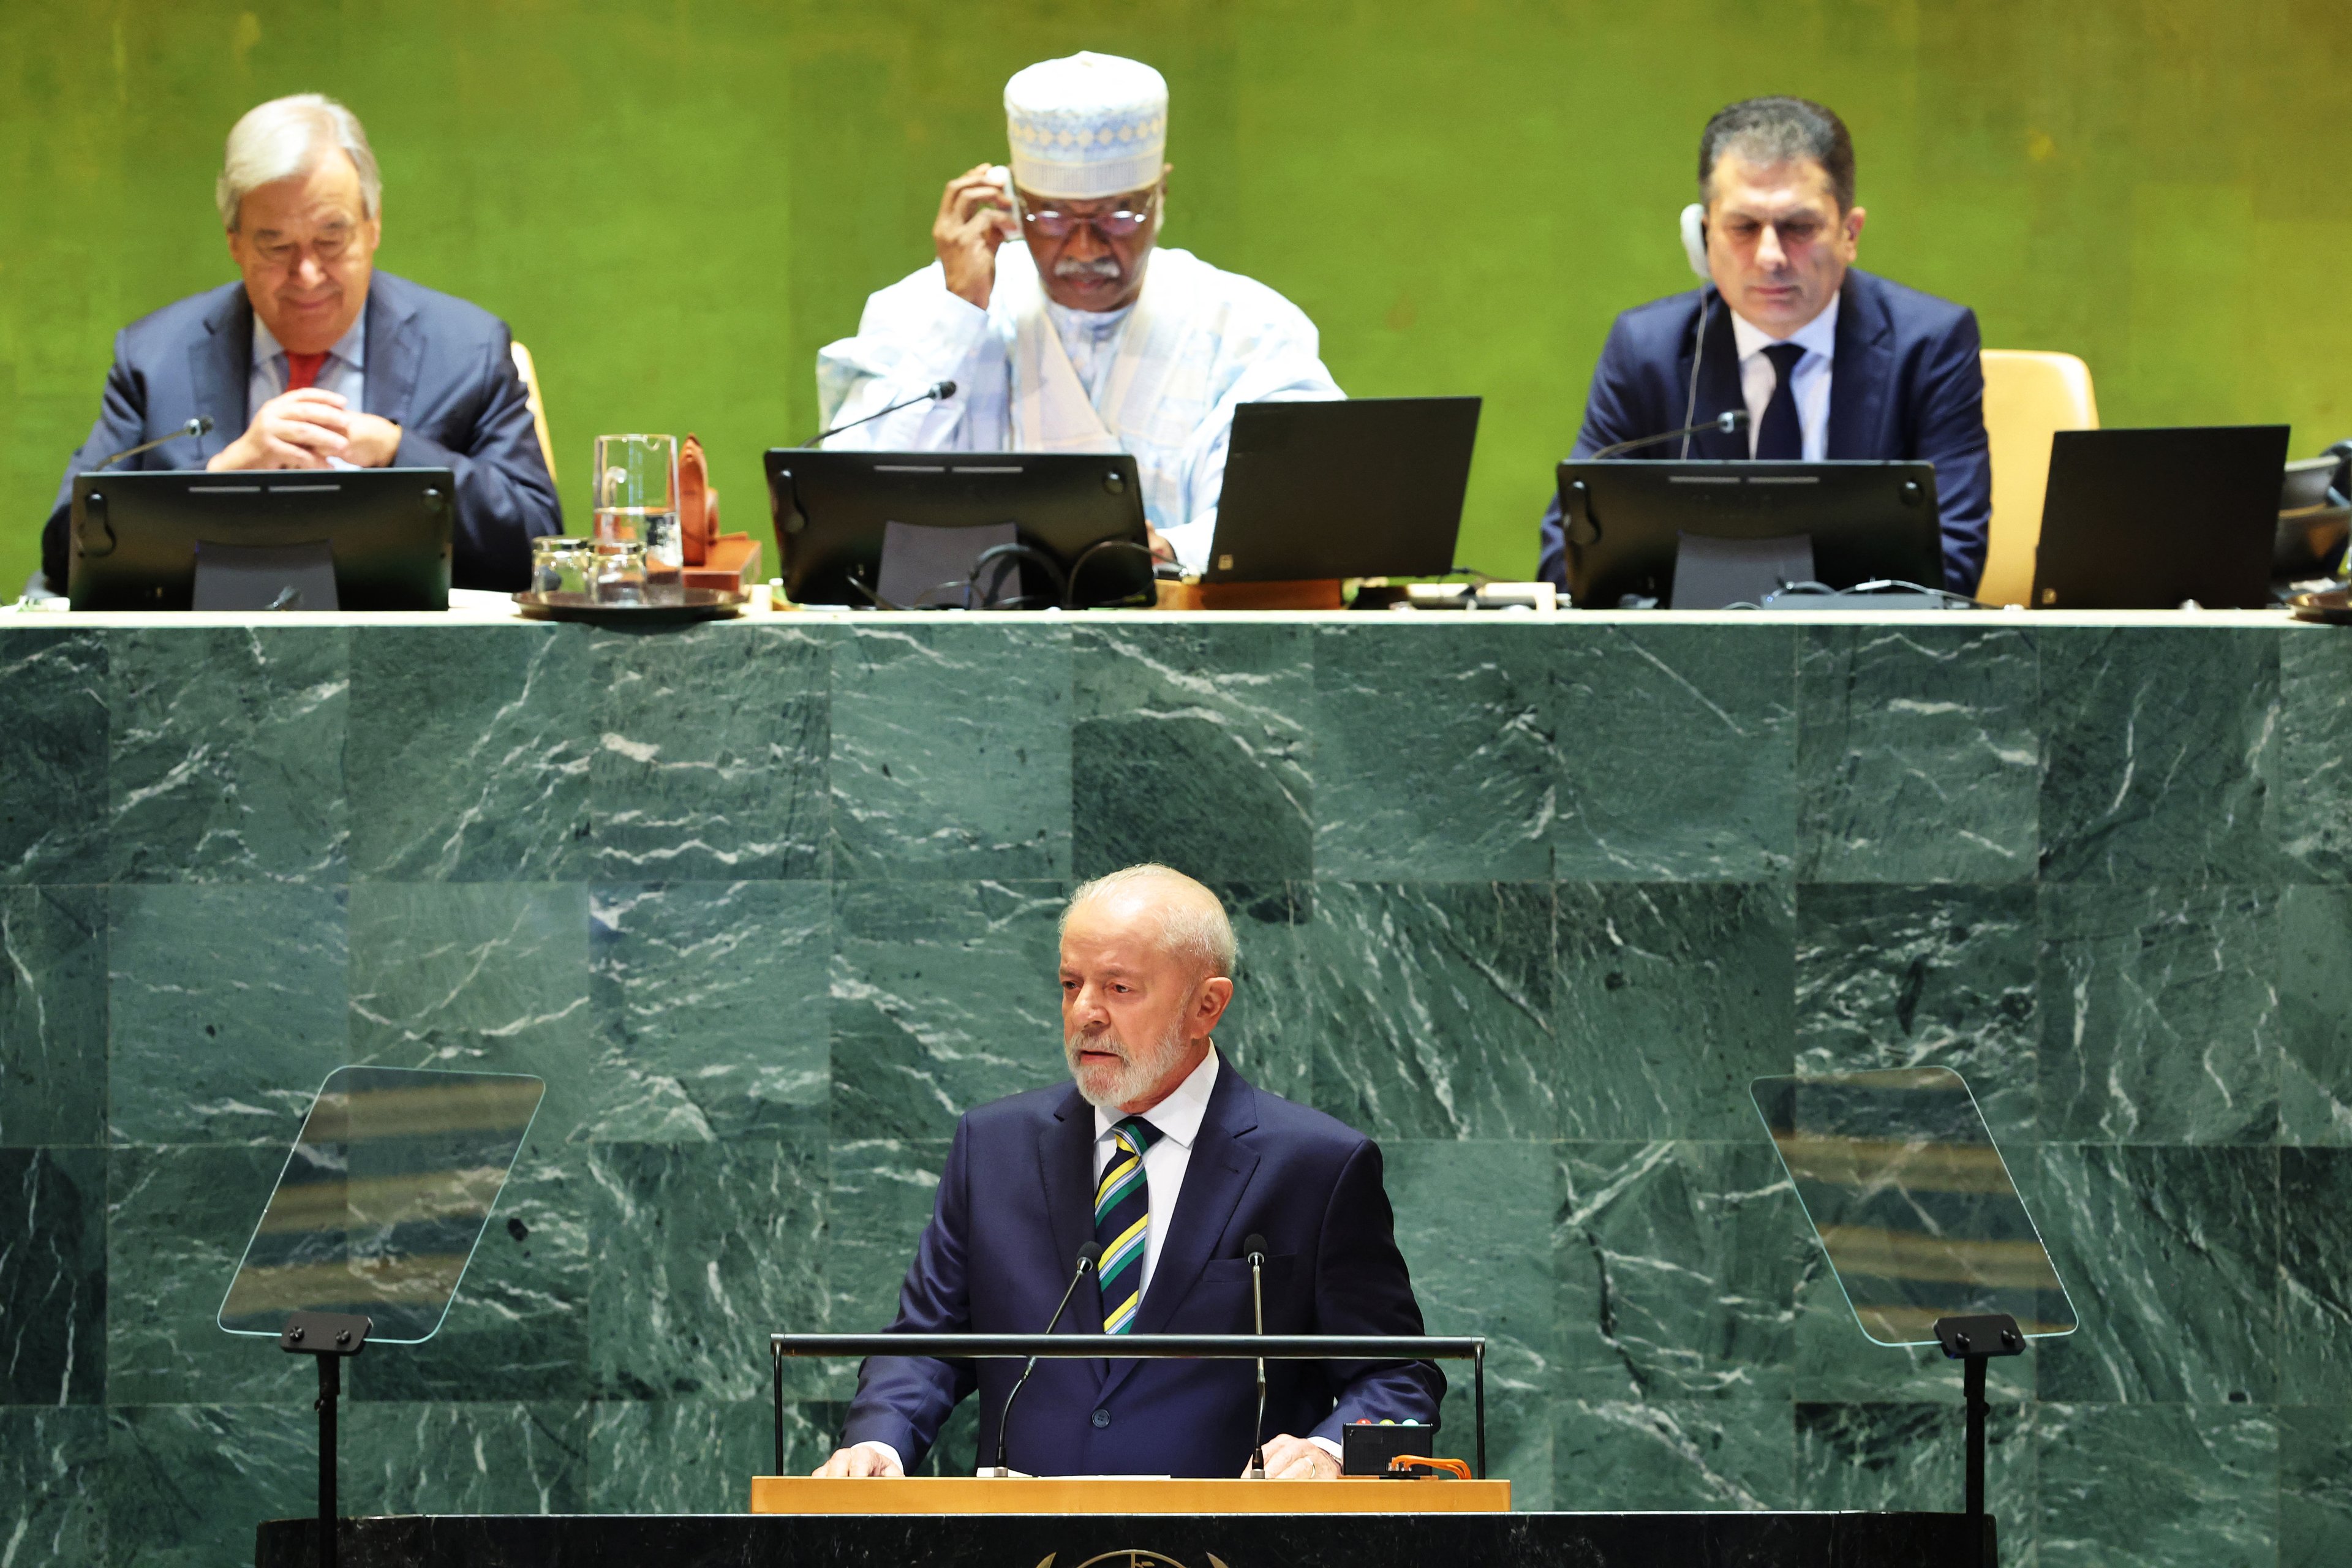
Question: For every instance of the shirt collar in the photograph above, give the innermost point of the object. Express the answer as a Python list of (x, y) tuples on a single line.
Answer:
[(1096, 324), (351, 348), (1816, 336), (1177, 1117)]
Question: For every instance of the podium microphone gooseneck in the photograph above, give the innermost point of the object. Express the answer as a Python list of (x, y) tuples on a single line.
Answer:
[(1088, 1256), (936, 390), (196, 426), (1729, 422), (1253, 1245)]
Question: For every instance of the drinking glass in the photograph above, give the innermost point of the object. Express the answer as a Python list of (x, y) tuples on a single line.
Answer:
[(617, 570), (637, 500), (560, 564)]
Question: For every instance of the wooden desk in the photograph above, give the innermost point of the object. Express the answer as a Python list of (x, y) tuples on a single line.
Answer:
[(1082, 1495)]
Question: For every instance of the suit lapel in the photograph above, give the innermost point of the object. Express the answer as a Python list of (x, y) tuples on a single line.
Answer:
[(220, 369), (1064, 1165), (1214, 1180), (1719, 389), (394, 349), (1861, 370)]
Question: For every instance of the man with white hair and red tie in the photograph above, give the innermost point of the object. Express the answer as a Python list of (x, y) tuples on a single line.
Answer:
[(1065, 324)]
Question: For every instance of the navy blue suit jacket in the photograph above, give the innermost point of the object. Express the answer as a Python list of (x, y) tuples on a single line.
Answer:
[(439, 368), (1906, 384), (1016, 1203)]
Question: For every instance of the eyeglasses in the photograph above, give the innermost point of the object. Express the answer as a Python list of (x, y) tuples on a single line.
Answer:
[(1130, 218), (328, 244)]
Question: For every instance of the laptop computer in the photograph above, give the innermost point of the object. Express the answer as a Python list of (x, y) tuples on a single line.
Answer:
[(2148, 519), (1369, 487)]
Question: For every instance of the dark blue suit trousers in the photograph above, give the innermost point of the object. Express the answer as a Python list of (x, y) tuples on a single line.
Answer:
[(1016, 1203)]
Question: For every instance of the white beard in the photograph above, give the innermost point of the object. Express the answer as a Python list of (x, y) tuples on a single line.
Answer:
[(1138, 1075)]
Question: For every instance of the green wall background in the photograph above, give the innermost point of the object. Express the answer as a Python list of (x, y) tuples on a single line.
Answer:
[(675, 205)]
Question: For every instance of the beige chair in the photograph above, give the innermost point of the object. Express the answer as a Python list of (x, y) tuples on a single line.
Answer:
[(529, 374), (2027, 399)]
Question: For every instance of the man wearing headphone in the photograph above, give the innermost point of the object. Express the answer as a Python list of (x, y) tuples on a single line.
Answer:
[(1829, 361)]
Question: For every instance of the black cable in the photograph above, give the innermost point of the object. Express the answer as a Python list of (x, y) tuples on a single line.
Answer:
[(1011, 552), (1147, 596)]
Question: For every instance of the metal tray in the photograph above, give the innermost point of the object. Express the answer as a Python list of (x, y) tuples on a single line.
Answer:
[(675, 606), (2333, 607)]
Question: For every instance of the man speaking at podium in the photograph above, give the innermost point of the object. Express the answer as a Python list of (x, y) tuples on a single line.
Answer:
[(1164, 1156)]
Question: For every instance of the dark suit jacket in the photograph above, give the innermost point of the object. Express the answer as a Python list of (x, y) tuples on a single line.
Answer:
[(439, 368), (1906, 384), (1016, 1203)]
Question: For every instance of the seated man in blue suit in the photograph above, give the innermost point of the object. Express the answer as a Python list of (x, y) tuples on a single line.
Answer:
[(1829, 361), (1162, 1154), (316, 360)]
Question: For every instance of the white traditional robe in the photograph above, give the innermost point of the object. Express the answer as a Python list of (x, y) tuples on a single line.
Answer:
[(1196, 343)]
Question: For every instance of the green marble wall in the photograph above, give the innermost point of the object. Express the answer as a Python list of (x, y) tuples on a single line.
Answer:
[(768, 904)]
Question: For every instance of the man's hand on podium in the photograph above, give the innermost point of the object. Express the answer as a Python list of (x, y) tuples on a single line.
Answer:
[(860, 1460), (1289, 1458)]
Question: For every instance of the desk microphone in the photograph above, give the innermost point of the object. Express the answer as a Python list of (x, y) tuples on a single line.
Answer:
[(1088, 1256), (196, 426), (938, 389), (1730, 421), (1253, 1245)]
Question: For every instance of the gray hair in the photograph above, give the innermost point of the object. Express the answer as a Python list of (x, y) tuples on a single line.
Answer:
[(1778, 131), (1195, 930), (281, 139)]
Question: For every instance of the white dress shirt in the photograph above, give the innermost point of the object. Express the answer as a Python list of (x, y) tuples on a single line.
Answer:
[(344, 369), (1809, 386), (1091, 338)]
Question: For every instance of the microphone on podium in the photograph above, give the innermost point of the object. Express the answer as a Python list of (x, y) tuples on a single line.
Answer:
[(196, 426), (1729, 422), (1088, 1256), (1253, 1247), (937, 390)]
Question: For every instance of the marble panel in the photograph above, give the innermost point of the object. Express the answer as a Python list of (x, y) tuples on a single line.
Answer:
[(1917, 756), (880, 1198), (477, 977), (710, 1008), (2313, 817), (2315, 1487), (699, 1456), (1435, 752), (177, 1223), (463, 1458), (227, 1006), (469, 753), (52, 1470), (227, 759), (1672, 997), (2160, 1485), (701, 1250), (2315, 1015), (54, 822), (1267, 1033), (951, 752), (52, 1276), (2159, 747), (2170, 1256), (1834, 1362), (1433, 1002), (52, 1020), (1893, 1458), (1677, 1271), (186, 1484), (1189, 746), (1937, 976), (2160, 1014), (2315, 1277), (944, 997), (517, 1331), (1673, 1454), (712, 753), (1677, 752)]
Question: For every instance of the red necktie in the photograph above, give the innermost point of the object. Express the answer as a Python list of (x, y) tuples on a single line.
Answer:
[(302, 370)]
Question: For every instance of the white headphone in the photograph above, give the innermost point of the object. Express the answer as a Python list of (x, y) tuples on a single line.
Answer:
[(1695, 239), (1695, 252)]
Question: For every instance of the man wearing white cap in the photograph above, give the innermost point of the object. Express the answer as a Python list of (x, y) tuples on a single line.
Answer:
[(1087, 337)]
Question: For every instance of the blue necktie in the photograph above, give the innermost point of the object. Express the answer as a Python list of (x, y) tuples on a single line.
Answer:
[(1780, 436), (1123, 1223)]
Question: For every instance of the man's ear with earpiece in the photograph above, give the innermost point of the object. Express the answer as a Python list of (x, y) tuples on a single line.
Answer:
[(1695, 239)]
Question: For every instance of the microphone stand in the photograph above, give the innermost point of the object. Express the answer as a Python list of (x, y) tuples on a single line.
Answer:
[(200, 424), (1088, 1256), (1729, 422), (1256, 1245), (939, 389)]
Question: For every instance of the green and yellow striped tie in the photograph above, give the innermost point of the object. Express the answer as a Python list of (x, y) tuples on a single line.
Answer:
[(1123, 1223)]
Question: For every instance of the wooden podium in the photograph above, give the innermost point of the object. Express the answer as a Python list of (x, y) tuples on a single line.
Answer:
[(1122, 1496)]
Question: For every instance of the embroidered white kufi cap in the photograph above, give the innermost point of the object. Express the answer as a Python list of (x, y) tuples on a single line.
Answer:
[(1087, 127)]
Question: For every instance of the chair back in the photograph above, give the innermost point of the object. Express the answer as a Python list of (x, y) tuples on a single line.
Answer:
[(529, 374), (2029, 397)]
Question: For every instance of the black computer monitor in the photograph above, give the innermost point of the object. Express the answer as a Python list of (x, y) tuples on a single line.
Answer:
[(832, 510), (142, 540), (2146, 520), (1365, 487), (1625, 521)]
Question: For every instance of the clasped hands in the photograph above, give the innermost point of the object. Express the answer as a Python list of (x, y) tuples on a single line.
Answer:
[(304, 429), (1288, 1458)]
